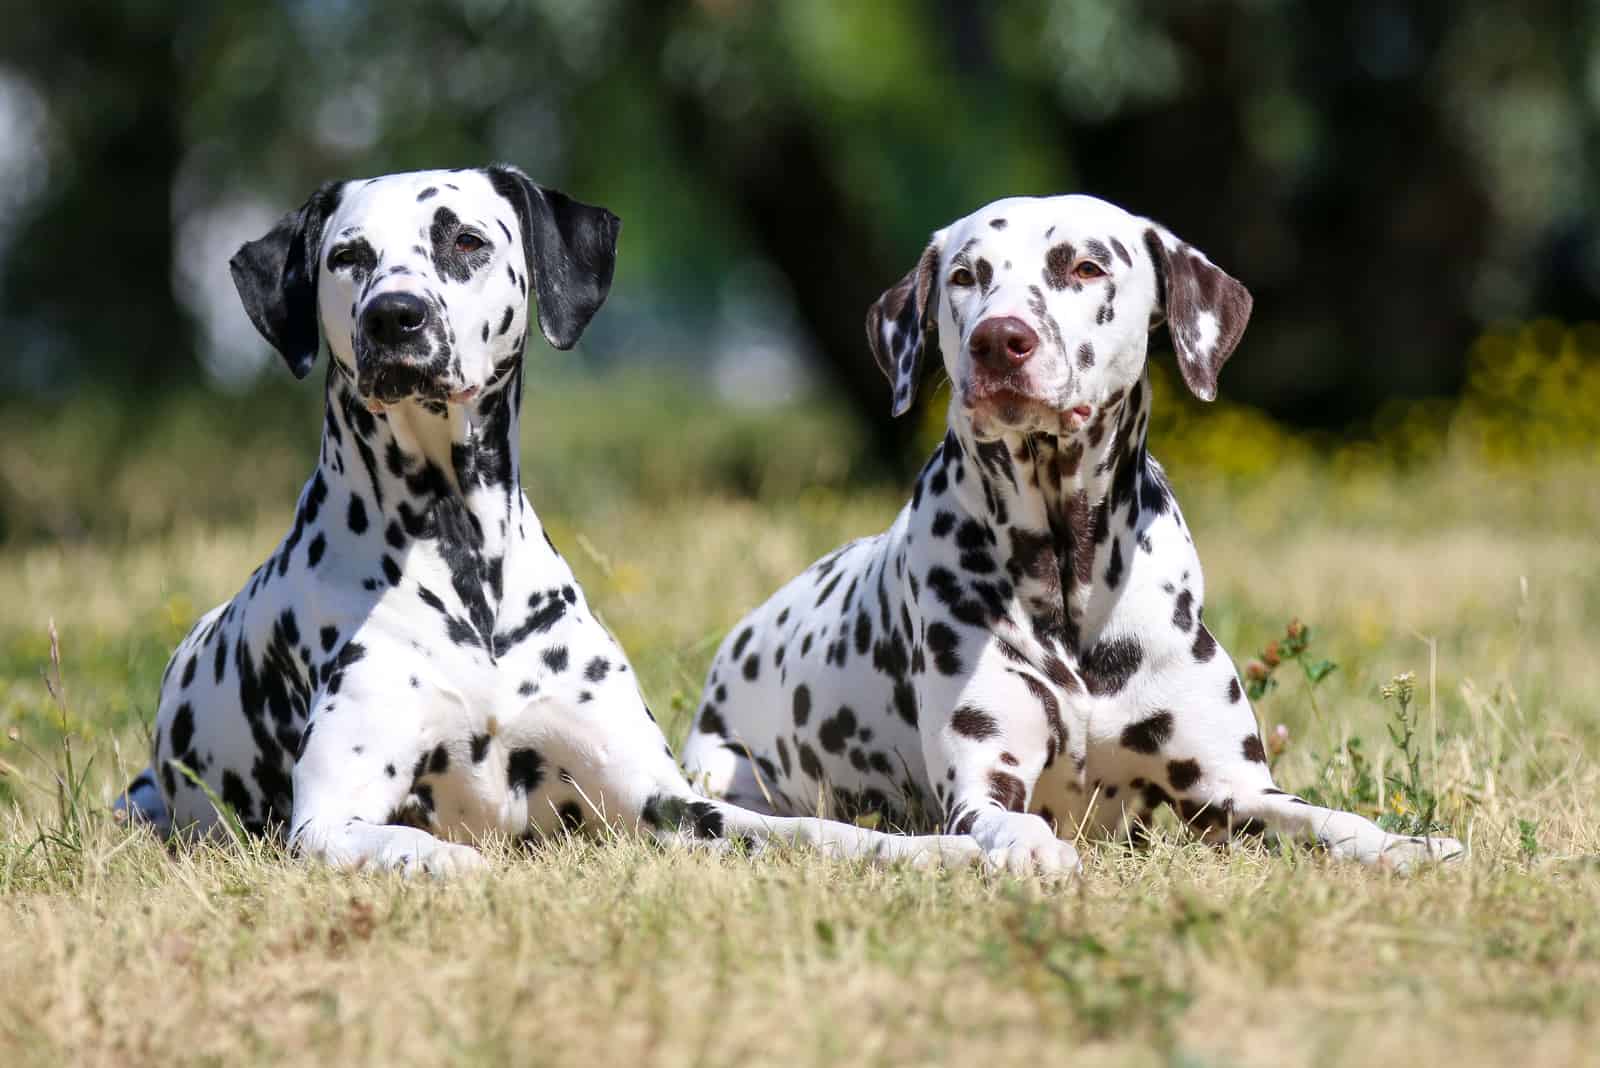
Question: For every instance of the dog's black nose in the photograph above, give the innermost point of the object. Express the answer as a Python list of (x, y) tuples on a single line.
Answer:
[(391, 318), (1003, 343)]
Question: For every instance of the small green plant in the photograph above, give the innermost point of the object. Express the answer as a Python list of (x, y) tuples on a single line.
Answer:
[(1528, 838), (1261, 674), (1346, 781), (1260, 677), (1411, 805), (1402, 803)]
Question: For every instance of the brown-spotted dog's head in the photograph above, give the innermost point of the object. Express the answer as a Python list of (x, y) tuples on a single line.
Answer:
[(1041, 308), (420, 281)]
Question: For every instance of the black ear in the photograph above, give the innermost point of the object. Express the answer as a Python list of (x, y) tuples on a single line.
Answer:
[(572, 251), (276, 277), (1206, 308), (902, 323)]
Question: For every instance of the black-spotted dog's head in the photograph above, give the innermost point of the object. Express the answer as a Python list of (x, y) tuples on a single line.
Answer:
[(420, 281), (1042, 307)]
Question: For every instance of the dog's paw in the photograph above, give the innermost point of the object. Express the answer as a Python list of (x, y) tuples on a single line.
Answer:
[(1406, 854), (1055, 859), (1024, 844), (942, 851), (413, 852), (444, 860)]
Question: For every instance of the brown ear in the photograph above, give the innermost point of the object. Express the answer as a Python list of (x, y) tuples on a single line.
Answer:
[(1206, 308), (902, 323)]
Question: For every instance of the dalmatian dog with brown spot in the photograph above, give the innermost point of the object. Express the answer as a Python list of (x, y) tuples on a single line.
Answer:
[(1023, 653), (415, 667)]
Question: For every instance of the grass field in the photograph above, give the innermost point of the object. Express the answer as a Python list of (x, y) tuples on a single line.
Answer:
[(122, 527)]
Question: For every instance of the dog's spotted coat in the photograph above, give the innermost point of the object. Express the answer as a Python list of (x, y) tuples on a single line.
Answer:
[(1024, 652), (415, 666)]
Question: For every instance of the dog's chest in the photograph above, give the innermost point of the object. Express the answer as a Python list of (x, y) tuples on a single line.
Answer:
[(1100, 623), (494, 681), (490, 763)]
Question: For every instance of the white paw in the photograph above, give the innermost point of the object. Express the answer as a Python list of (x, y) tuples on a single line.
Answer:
[(1402, 854), (1024, 844), (413, 852), (447, 860), (357, 845), (942, 851)]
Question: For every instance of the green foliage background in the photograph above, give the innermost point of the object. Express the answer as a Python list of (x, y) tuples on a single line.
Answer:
[(1392, 180)]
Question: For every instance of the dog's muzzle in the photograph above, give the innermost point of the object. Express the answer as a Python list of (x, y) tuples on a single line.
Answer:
[(1001, 345), (999, 394), (395, 350), (391, 320), (398, 379)]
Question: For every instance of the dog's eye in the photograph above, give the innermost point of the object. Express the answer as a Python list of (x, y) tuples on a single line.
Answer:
[(468, 243), (961, 278), (1088, 269), (342, 257)]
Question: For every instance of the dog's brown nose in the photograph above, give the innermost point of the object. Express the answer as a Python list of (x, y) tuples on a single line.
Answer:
[(1003, 343)]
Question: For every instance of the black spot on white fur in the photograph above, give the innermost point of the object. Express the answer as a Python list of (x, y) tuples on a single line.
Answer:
[(1109, 665), (1149, 734)]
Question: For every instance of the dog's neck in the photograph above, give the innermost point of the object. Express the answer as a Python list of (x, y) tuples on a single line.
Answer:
[(428, 469), (1071, 508)]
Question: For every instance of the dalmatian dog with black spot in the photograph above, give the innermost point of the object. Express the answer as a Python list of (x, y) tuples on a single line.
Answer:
[(414, 666), (1023, 653)]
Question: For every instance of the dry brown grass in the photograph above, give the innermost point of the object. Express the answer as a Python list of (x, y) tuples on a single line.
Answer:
[(114, 950)]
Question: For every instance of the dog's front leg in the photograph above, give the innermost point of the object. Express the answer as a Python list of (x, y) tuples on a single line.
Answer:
[(619, 762), (987, 734), (357, 774), (1345, 835)]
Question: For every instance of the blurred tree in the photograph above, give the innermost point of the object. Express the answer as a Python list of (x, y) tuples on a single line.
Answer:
[(87, 286)]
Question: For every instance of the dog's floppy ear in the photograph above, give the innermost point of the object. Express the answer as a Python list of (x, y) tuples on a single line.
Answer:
[(276, 277), (1206, 309), (903, 323), (571, 249)]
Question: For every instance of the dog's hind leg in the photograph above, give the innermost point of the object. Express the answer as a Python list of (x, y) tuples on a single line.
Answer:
[(725, 769), (143, 804)]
